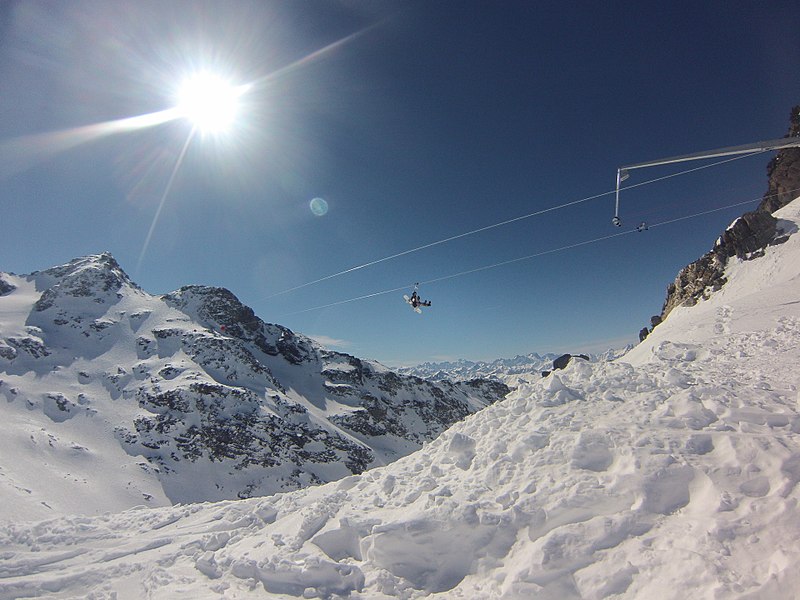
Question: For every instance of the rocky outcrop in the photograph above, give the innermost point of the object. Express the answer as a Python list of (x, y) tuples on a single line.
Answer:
[(562, 361), (695, 282), (747, 237), (783, 172), (220, 310), (6, 287), (212, 423), (417, 410)]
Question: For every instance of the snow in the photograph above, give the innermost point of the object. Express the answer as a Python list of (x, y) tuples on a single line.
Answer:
[(670, 473), (113, 398), (71, 449)]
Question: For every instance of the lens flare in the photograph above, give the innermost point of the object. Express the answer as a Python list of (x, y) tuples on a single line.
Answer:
[(319, 206)]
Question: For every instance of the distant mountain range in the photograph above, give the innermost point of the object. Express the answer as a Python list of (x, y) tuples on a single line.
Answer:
[(508, 370), (191, 395)]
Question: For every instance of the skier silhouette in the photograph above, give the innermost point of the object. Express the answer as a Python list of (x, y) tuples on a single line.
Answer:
[(415, 301)]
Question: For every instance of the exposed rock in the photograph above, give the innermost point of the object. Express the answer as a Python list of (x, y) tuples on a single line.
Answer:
[(747, 237), (216, 423), (562, 361), (6, 351), (5, 286), (695, 281), (32, 345), (783, 172), (219, 309), (751, 232), (432, 406), (492, 389)]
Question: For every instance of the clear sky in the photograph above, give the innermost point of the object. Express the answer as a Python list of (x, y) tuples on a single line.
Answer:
[(415, 122)]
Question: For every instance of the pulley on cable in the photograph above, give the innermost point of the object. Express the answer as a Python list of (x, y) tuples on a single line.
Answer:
[(622, 172)]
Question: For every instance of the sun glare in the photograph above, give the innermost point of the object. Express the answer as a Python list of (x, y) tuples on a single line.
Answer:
[(209, 102)]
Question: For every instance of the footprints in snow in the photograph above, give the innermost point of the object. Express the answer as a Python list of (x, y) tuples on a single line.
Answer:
[(723, 320)]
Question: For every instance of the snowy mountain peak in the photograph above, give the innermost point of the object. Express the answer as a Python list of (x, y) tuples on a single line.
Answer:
[(214, 306), (220, 310), (97, 275), (191, 394)]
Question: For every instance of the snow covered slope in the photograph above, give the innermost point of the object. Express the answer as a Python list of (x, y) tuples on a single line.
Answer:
[(673, 475), (759, 292), (112, 398)]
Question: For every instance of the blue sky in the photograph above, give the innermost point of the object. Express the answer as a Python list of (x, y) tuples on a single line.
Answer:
[(429, 120)]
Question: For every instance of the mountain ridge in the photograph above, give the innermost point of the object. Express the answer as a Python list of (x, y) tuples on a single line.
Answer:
[(204, 400), (508, 370)]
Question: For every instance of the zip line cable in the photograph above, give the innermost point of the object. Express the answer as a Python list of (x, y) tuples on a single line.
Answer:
[(506, 222), (536, 255)]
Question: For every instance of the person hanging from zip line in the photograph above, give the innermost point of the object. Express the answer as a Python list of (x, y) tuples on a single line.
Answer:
[(415, 300)]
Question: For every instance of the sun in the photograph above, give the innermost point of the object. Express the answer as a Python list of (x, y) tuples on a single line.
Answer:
[(210, 102)]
